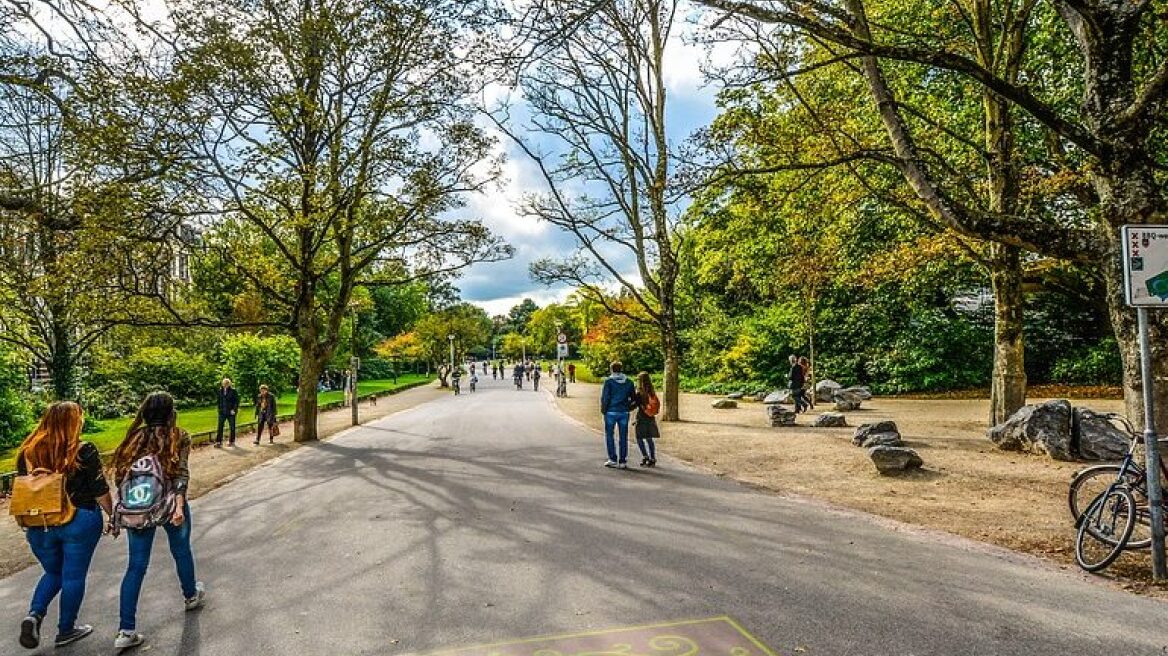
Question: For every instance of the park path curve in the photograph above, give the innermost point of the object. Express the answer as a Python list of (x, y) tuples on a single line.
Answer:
[(488, 517)]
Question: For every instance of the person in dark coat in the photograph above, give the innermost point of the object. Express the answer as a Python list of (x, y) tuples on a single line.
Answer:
[(796, 380), (645, 429), (228, 407), (266, 413)]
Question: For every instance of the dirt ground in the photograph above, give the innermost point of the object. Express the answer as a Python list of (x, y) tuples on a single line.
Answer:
[(967, 487), (212, 468)]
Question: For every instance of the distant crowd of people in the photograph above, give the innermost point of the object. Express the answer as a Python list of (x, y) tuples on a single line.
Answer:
[(521, 371)]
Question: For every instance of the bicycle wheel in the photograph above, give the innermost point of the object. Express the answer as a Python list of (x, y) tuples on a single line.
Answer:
[(1105, 529), (1089, 483)]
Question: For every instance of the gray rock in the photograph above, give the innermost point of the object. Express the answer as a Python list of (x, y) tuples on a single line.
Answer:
[(780, 416), (894, 459), (859, 392), (778, 396), (724, 404), (830, 420), (761, 396), (735, 395), (1040, 429), (865, 430), (825, 390), (847, 405), (1098, 438), (882, 439)]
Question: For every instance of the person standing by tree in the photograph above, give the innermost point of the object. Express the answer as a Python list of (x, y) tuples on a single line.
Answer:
[(154, 436), (265, 409), (809, 392), (64, 551), (796, 380), (646, 430), (228, 407), (616, 398)]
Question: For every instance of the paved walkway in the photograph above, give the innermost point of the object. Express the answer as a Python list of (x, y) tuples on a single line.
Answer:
[(487, 518)]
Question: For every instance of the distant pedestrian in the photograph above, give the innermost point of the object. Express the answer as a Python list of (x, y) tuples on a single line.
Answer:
[(66, 548), (535, 377), (494, 372), (150, 466), (266, 413), (617, 397), (808, 382), (646, 430), (518, 376), (571, 372), (795, 381), (228, 407)]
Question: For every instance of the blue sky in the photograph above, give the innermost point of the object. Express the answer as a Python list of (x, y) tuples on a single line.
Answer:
[(498, 286)]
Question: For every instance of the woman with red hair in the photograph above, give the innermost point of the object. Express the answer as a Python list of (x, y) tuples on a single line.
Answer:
[(64, 551)]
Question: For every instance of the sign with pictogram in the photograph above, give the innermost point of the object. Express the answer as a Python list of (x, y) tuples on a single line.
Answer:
[(1145, 265)]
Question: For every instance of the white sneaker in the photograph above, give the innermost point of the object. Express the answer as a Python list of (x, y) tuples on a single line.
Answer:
[(196, 601), (128, 639), (610, 463)]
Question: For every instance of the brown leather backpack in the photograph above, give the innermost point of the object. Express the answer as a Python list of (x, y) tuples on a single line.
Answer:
[(39, 500)]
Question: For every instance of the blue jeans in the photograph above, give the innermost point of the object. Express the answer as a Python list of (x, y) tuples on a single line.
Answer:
[(141, 544), (617, 420), (64, 552)]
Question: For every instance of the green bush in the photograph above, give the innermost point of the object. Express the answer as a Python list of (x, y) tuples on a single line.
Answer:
[(251, 360), (112, 399), (939, 352), (190, 378), (16, 411), (377, 369), (1098, 364)]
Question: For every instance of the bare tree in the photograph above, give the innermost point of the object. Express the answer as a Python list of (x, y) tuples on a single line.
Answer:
[(595, 88)]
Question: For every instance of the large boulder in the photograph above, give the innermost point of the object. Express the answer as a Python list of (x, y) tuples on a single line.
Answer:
[(894, 459), (725, 404), (1040, 429), (859, 392), (825, 390), (866, 430), (1098, 438), (882, 439), (830, 420), (847, 405), (778, 396), (780, 416)]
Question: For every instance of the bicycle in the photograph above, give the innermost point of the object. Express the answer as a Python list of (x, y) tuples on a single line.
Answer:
[(1110, 518)]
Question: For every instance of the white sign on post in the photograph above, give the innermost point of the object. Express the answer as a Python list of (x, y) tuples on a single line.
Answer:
[(561, 338), (561, 351), (1145, 265)]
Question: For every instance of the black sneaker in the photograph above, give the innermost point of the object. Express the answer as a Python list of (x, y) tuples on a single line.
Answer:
[(76, 634), (30, 632)]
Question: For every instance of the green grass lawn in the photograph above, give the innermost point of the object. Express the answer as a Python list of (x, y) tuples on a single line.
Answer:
[(199, 420)]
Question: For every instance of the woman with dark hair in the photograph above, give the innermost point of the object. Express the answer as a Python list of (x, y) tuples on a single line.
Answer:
[(154, 433), (648, 405), (265, 408), (64, 551)]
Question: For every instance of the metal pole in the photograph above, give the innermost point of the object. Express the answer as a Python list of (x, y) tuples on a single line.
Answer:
[(1152, 451), (353, 364)]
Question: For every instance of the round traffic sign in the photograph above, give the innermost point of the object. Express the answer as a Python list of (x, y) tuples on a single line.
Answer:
[(562, 338)]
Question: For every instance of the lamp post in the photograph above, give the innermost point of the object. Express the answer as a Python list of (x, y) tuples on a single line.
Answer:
[(354, 364), (451, 338)]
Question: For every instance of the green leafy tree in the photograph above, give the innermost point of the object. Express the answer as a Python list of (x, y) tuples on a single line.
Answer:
[(252, 360), (470, 326), (313, 117)]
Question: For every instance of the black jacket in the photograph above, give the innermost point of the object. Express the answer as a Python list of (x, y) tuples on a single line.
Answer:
[(86, 484), (796, 377), (228, 400)]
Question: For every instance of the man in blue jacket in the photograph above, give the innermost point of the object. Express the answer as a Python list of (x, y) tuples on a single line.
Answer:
[(615, 401)]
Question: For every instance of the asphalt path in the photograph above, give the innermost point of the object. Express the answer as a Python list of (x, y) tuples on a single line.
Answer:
[(489, 517)]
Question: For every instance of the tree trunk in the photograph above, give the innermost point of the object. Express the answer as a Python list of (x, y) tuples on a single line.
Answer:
[(63, 364), (1008, 385), (306, 402), (671, 405)]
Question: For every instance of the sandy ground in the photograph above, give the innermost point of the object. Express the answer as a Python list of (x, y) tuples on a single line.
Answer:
[(967, 486), (212, 468)]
